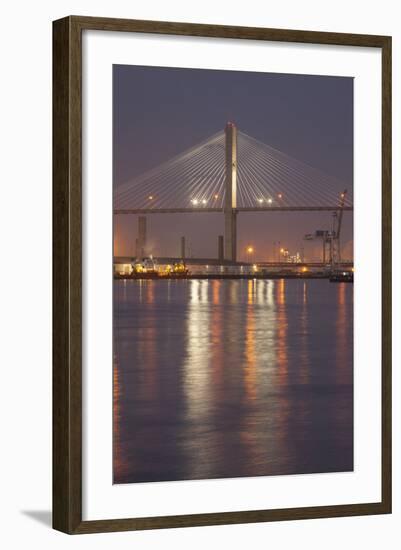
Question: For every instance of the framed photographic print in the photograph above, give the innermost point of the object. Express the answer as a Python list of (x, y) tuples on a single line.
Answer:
[(222, 275)]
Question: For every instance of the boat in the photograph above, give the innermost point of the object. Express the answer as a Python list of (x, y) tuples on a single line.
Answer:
[(147, 268), (340, 276), (179, 270)]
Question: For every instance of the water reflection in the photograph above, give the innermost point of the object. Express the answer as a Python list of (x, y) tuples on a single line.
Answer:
[(118, 453), (282, 328), (197, 377), (250, 351), (304, 337), (231, 378)]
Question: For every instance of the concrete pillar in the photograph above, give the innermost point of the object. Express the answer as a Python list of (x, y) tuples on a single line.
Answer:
[(141, 240), (220, 248), (183, 248), (230, 203), (230, 235)]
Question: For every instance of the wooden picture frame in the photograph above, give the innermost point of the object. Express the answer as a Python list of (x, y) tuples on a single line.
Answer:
[(67, 274)]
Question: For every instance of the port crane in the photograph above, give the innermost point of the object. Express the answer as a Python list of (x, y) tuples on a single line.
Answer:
[(331, 252)]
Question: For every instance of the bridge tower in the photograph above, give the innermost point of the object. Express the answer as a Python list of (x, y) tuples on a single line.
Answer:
[(230, 203), (141, 240)]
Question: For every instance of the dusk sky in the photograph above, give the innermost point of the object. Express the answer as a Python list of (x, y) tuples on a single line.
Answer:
[(160, 112)]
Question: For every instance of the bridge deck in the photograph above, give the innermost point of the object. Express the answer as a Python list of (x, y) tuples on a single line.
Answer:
[(215, 261), (206, 210)]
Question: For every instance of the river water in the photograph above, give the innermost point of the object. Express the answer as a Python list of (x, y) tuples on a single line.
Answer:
[(231, 378)]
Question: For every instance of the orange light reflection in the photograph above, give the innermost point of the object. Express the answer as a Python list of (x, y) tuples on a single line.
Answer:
[(282, 332)]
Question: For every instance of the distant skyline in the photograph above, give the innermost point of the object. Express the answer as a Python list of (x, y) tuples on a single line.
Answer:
[(160, 112)]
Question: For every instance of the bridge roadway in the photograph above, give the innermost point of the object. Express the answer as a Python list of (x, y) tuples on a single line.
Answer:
[(238, 209), (216, 261)]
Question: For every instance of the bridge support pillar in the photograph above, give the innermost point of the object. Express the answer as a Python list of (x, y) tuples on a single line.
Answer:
[(230, 235), (141, 240), (230, 202), (220, 248), (183, 248)]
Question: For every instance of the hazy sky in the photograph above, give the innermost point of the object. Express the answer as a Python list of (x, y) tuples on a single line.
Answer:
[(160, 112)]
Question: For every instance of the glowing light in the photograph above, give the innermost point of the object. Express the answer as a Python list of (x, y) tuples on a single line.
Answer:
[(150, 197), (280, 195), (269, 201), (249, 249), (260, 200), (194, 201), (216, 196), (204, 201), (304, 269), (281, 250)]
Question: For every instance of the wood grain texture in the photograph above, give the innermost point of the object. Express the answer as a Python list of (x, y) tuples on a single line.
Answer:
[(386, 276), (67, 274), (67, 278), (220, 31)]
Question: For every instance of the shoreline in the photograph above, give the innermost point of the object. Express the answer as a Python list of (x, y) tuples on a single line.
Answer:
[(223, 276)]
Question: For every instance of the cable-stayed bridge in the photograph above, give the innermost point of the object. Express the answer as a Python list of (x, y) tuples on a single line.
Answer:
[(231, 172)]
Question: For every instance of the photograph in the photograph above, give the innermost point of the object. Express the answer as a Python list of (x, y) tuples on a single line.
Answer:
[(232, 274)]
